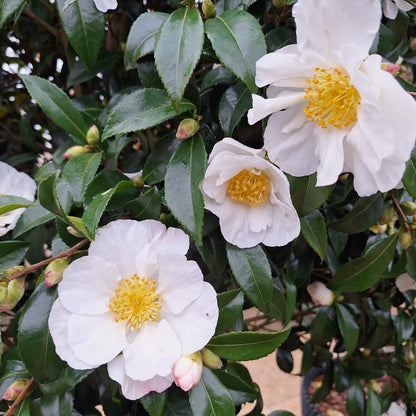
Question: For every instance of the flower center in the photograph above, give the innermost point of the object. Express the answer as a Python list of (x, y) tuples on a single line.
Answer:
[(250, 187), (332, 99), (136, 301)]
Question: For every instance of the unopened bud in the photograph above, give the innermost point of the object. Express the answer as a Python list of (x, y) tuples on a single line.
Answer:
[(187, 128), (373, 385), (408, 207), (188, 370), (14, 391), (405, 239), (93, 135), (279, 4), (378, 228), (320, 294), (387, 216), (55, 270), (210, 359), (394, 69), (76, 151), (15, 291), (74, 232), (208, 8)]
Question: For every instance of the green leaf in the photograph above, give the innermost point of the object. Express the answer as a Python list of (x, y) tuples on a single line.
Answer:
[(146, 206), (373, 404), (306, 196), (243, 346), (48, 195), (365, 213), (35, 343), (323, 327), (154, 403), (314, 230), (210, 398), (230, 305), (7, 8), (177, 50), (219, 75), (185, 171), (49, 405), (364, 272), (57, 106), (12, 371), (291, 297), (142, 37), (350, 330), (11, 202), (355, 398), (239, 43), (251, 270), (78, 172), (151, 107), (12, 253), (154, 169), (234, 103), (404, 325), (97, 206), (411, 261), (84, 26), (409, 177), (32, 217)]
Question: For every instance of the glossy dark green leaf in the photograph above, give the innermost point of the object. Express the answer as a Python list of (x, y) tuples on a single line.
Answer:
[(243, 346), (355, 398), (284, 359), (48, 195), (373, 407), (154, 169), (177, 404), (84, 27), (365, 213), (409, 177), (324, 326), (24, 408), (324, 389), (251, 270), (151, 107), (219, 75), (238, 41), (291, 295), (230, 305), (12, 370), (411, 260), (142, 37), (12, 253), (31, 218), (185, 171), (234, 104), (49, 405), (11, 202), (210, 398), (146, 206), (364, 272), (177, 50), (78, 172), (57, 106), (404, 326), (7, 8), (350, 330), (314, 230), (148, 75), (154, 403), (35, 343)]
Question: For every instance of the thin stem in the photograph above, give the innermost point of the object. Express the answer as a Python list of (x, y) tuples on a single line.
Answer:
[(400, 211), (36, 266), (41, 22), (411, 93), (15, 405)]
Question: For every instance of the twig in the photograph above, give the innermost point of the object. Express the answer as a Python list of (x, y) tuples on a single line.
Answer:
[(36, 266), (15, 405), (41, 22), (400, 211), (411, 93)]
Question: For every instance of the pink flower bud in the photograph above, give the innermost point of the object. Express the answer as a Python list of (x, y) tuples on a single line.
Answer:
[(13, 392), (54, 271), (75, 151), (320, 294), (187, 128), (188, 370)]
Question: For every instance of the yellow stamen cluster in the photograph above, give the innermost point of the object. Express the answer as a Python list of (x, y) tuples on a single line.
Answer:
[(136, 301), (250, 187), (332, 99)]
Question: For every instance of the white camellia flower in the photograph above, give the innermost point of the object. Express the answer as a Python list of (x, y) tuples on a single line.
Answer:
[(396, 410), (342, 112), (14, 183), (104, 5), (250, 196), (391, 7), (136, 303), (320, 294)]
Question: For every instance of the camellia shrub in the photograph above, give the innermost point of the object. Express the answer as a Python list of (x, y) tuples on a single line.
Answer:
[(166, 166)]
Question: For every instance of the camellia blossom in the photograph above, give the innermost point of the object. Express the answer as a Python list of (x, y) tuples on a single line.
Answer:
[(14, 183), (391, 7), (405, 282), (396, 409), (342, 112), (104, 5), (136, 303), (320, 294), (250, 196)]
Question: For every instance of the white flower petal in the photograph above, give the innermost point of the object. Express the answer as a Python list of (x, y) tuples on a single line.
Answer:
[(232, 146), (96, 339), (390, 9), (195, 326), (135, 389), (104, 5), (404, 5), (88, 284), (58, 327), (154, 351)]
